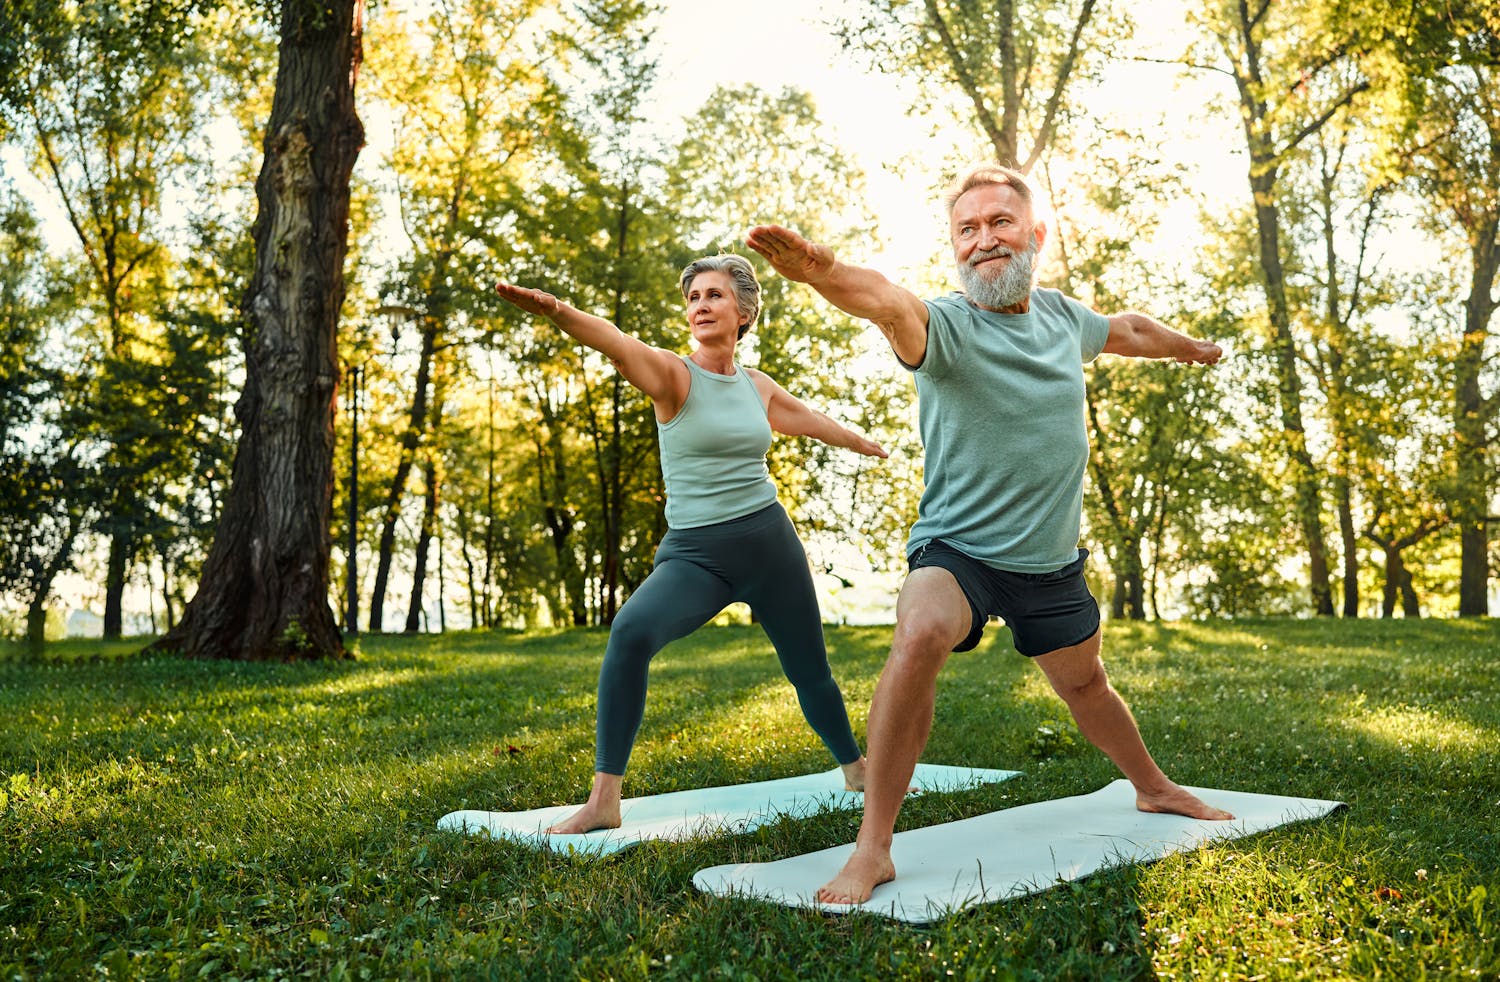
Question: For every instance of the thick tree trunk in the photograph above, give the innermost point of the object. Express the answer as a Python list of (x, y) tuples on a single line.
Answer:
[(264, 590)]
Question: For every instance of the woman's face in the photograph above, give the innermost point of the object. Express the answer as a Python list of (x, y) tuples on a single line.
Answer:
[(712, 311)]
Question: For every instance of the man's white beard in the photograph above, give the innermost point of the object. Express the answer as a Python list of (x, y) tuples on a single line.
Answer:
[(1006, 288)]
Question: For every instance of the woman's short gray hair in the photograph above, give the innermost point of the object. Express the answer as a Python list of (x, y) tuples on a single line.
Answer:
[(741, 274)]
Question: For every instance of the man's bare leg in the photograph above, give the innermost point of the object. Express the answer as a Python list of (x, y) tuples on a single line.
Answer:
[(1078, 676), (931, 617), (601, 811)]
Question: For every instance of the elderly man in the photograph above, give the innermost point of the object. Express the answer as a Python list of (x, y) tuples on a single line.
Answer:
[(999, 373)]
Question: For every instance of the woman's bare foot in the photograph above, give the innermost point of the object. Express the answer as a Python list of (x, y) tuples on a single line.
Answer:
[(1178, 801), (588, 819), (862, 873), (601, 811), (854, 775)]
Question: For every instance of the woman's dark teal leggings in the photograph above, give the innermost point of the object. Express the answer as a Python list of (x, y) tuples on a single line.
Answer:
[(698, 572)]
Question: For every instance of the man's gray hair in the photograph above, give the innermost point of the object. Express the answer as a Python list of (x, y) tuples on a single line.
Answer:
[(741, 274), (984, 175)]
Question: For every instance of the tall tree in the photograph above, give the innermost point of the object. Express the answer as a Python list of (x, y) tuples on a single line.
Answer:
[(264, 589), (469, 109), (1456, 167), (49, 490), (109, 103)]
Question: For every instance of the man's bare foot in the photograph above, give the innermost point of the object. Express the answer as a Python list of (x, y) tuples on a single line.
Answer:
[(589, 818), (854, 775), (1179, 801), (862, 873)]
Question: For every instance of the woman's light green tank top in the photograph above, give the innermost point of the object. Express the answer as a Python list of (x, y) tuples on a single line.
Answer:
[(713, 452)]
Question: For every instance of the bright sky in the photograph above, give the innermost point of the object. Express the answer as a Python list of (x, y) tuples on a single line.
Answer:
[(779, 43)]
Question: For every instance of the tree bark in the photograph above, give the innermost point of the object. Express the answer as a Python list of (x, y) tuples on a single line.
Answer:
[(264, 589), (424, 544), (1289, 389), (1472, 414)]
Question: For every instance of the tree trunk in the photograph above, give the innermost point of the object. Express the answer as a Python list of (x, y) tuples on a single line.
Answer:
[(1394, 569), (1409, 605), (351, 559), (424, 544), (416, 425), (264, 590), (1471, 418), (1289, 386), (1350, 539), (116, 566)]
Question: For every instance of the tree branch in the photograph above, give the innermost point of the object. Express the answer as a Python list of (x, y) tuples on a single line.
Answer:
[(965, 79), (1044, 135)]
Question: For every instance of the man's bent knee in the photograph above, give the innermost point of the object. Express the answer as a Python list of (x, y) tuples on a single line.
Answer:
[(922, 644), (1088, 684)]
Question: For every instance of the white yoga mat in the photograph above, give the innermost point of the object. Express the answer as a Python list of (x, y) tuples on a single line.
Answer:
[(1010, 853), (679, 815)]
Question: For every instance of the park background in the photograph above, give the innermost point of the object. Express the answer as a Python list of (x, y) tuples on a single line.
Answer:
[(196, 405), (1311, 185)]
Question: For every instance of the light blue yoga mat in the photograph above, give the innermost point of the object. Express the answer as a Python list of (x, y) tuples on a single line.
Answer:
[(679, 815), (1010, 853)]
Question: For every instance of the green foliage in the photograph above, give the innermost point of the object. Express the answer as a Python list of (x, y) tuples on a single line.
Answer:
[(164, 817)]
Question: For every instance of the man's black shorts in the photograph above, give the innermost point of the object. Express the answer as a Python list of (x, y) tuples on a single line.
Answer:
[(1044, 611)]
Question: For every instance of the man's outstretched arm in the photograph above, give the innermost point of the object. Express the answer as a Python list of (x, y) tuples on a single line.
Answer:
[(1138, 336), (899, 313)]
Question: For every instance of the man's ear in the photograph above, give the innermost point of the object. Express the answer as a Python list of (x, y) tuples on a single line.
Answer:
[(1039, 232)]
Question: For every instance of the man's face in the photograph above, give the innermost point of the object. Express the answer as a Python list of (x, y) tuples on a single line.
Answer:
[(995, 241)]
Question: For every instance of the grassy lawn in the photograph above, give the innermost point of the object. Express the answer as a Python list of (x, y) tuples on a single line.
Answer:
[(166, 819)]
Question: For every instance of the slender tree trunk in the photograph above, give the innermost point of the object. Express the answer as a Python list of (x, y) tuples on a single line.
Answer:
[(1350, 539), (1289, 388), (351, 560), (416, 425), (120, 549), (1394, 570), (424, 544), (560, 520), (264, 589), (468, 558), (1472, 416), (489, 504)]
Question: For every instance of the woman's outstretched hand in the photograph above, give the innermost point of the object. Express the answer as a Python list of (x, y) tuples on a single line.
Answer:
[(868, 447), (532, 301)]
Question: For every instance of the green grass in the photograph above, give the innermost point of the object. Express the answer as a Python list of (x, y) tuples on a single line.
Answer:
[(171, 819)]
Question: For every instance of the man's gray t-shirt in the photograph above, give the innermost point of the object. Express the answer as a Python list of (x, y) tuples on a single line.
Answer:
[(1001, 405)]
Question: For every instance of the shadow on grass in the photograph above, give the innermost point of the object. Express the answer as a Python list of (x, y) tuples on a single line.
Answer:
[(186, 817)]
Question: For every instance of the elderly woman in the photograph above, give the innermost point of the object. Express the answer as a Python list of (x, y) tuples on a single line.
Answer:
[(728, 539)]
